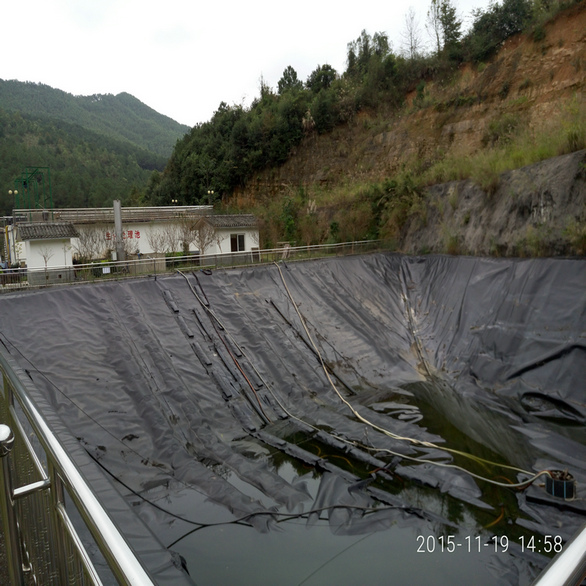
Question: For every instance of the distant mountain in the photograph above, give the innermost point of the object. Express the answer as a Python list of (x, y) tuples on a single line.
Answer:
[(98, 148), (86, 169), (122, 117)]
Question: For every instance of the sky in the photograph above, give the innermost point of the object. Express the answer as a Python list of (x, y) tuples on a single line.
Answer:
[(183, 58)]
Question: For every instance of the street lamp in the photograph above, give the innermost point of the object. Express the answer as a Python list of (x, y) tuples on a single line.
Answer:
[(174, 202), (11, 193), (210, 195)]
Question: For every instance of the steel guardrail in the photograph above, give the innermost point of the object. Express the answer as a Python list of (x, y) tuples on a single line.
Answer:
[(567, 568), (152, 264), (62, 475)]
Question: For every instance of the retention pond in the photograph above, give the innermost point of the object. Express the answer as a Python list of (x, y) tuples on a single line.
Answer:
[(371, 419)]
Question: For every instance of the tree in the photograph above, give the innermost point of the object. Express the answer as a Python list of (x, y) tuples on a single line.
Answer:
[(324, 111), (265, 89), (321, 78), (289, 81), (186, 229), (412, 35), (433, 24), (172, 237), (443, 25), (153, 188), (381, 45), (47, 253), (157, 240), (90, 244), (494, 25), (205, 235), (514, 17), (363, 50), (451, 26), (135, 197)]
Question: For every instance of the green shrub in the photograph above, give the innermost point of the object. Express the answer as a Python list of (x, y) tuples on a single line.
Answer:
[(494, 25), (538, 33), (335, 231), (501, 130), (575, 232), (452, 240), (401, 202)]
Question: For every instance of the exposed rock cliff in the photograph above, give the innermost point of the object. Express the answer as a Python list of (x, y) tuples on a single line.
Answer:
[(537, 210)]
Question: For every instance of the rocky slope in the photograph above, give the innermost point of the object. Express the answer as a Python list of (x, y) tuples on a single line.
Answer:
[(538, 210)]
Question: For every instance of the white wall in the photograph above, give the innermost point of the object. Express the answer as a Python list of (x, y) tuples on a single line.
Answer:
[(140, 237), (57, 253)]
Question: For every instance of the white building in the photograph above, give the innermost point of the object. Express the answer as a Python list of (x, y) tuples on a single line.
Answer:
[(47, 248), (41, 239), (233, 233)]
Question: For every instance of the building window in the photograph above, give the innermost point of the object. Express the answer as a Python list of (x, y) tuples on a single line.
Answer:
[(237, 242)]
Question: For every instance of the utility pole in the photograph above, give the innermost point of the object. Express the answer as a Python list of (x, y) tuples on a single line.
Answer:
[(120, 254)]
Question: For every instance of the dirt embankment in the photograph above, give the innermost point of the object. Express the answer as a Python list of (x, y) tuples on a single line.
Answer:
[(532, 81)]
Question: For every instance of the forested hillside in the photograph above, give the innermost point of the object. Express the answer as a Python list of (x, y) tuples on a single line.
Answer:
[(98, 148), (121, 117), (346, 154), (87, 168), (225, 152)]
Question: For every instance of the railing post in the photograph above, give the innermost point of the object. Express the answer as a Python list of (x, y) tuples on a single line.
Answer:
[(10, 526), (57, 497)]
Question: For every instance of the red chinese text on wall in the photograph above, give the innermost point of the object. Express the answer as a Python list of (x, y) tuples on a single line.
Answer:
[(125, 234)]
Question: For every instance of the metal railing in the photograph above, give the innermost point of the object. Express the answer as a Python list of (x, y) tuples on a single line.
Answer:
[(567, 568), (155, 264), (50, 515)]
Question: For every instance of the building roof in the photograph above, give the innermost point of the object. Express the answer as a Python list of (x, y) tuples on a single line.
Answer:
[(78, 216), (233, 221), (47, 231), (106, 215)]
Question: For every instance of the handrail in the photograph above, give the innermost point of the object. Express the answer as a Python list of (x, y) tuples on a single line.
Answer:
[(286, 252), (567, 568), (152, 263), (120, 557)]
